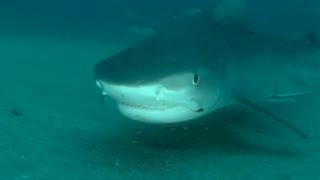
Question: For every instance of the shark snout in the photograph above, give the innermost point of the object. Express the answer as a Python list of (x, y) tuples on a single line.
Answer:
[(134, 96)]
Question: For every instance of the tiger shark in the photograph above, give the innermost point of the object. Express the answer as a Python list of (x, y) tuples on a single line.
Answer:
[(199, 65)]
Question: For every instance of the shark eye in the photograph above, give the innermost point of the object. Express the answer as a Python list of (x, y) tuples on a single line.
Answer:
[(195, 80)]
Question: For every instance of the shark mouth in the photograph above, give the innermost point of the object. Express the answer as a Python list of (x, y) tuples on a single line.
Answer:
[(155, 108), (139, 106)]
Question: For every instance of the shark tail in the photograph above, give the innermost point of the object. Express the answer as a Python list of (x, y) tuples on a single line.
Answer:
[(252, 105)]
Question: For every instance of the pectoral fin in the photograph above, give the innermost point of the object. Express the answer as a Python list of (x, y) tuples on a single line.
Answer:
[(276, 97), (254, 106)]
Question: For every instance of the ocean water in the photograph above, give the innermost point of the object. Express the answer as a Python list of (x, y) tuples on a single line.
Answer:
[(53, 126)]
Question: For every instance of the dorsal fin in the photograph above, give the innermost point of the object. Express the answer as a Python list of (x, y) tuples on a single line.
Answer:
[(231, 12)]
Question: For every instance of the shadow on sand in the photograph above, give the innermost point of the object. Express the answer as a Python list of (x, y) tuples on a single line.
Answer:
[(229, 132)]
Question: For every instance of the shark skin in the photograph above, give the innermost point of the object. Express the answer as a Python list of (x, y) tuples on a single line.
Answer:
[(196, 67)]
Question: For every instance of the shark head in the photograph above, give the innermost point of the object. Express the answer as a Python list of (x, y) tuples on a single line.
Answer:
[(190, 71), (162, 80)]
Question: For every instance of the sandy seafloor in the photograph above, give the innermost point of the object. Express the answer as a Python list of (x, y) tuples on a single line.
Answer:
[(64, 132)]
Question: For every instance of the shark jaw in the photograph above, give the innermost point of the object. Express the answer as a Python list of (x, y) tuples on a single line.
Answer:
[(153, 103), (174, 114)]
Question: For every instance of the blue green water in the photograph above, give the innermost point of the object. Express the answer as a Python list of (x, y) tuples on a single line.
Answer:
[(52, 125)]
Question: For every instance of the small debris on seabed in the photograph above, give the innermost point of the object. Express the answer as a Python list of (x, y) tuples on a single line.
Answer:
[(317, 148), (133, 142), (17, 111), (24, 176), (138, 133), (117, 162), (289, 175)]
